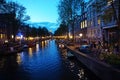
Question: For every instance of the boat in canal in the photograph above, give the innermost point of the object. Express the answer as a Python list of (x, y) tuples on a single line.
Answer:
[(11, 50)]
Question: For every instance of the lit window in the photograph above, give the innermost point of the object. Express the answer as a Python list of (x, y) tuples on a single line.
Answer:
[(81, 25), (85, 23), (98, 21)]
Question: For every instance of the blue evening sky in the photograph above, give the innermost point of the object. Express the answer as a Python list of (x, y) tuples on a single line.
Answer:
[(41, 10)]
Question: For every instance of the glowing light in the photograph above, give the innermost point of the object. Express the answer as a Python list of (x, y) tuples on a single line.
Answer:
[(37, 47), (43, 37), (30, 38), (18, 59), (80, 34), (6, 41), (45, 42), (12, 36), (70, 36), (42, 43), (30, 51), (21, 36), (1, 36), (65, 37), (18, 38)]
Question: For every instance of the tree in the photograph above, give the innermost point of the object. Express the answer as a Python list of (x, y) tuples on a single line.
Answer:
[(26, 30), (68, 10), (40, 32), (61, 30), (45, 31), (17, 12), (2, 2)]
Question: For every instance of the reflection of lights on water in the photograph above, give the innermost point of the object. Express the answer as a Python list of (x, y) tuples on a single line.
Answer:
[(81, 73), (2, 63), (46, 41), (21, 54), (37, 47), (42, 43), (18, 58), (61, 46), (30, 51)]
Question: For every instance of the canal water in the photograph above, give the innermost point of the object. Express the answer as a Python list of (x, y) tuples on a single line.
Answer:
[(43, 62)]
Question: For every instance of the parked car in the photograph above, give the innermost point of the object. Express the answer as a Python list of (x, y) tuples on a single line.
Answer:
[(85, 49)]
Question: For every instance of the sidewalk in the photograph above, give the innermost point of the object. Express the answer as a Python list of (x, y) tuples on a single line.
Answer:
[(102, 69), (102, 55)]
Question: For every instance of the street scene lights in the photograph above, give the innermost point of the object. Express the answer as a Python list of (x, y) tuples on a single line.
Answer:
[(12, 36), (80, 35)]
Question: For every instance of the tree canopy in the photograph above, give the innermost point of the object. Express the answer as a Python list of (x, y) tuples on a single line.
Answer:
[(17, 16), (62, 30), (68, 9)]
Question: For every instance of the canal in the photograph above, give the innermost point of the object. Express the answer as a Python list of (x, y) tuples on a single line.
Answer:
[(43, 62)]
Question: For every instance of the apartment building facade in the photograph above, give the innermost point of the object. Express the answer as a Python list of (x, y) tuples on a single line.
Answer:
[(94, 30), (109, 21), (99, 26)]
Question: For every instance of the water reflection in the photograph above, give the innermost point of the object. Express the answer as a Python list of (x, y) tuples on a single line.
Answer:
[(1, 63), (30, 51), (42, 62), (77, 68), (44, 43), (37, 47), (18, 59)]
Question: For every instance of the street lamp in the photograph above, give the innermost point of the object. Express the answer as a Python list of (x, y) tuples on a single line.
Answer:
[(12, 36), (80, 35), (21, 36)]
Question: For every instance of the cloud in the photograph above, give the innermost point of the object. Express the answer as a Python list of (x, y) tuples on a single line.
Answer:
[(50, 26)]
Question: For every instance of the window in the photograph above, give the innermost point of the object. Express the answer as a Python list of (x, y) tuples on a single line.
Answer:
[(85, 23), (81, 25)]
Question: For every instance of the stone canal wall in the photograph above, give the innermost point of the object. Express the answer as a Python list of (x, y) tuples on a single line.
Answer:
[(101, 69)]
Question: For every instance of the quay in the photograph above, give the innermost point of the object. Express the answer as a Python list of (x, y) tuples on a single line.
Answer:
[(103, 70), (6, 51)]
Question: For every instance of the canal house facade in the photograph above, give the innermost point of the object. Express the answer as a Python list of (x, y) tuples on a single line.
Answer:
[(3, 28), (83, 23), (94, 32), (6, 27), (100, 25), (109, 22)]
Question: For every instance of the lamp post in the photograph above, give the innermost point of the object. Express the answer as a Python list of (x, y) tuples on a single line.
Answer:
[(12, 36), (80, 36), (21, 37)]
